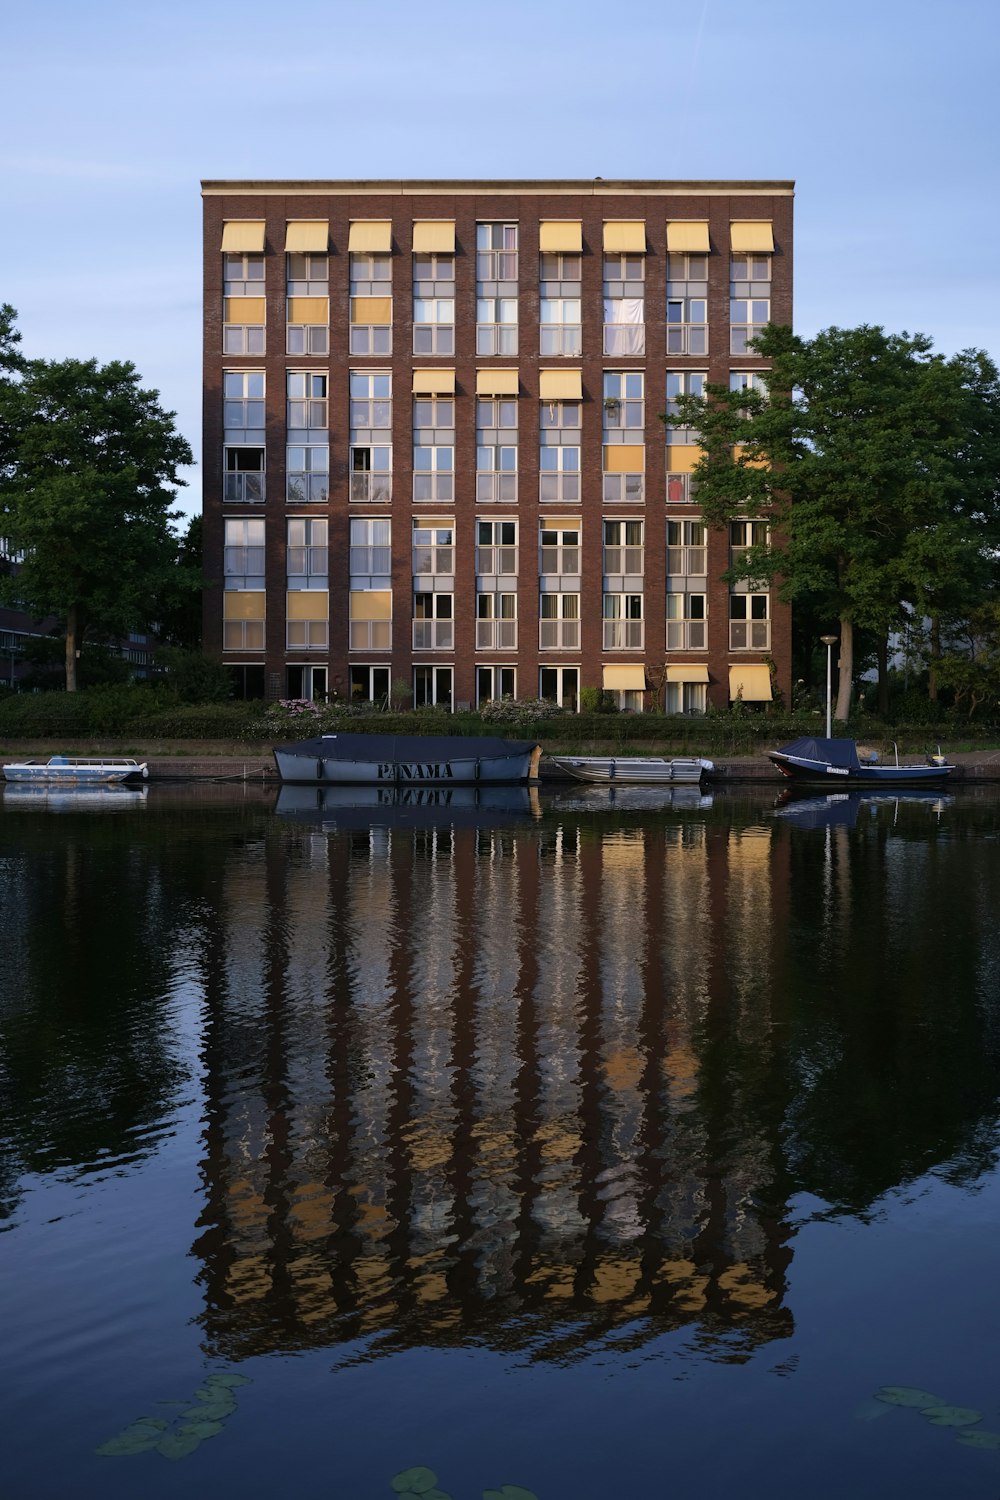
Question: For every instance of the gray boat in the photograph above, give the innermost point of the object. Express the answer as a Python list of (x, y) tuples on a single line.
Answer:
[(406, 759)]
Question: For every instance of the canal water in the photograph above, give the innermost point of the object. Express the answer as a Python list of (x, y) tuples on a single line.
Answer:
[(576, 1146)]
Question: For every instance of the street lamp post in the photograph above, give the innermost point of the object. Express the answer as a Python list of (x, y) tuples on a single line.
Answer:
[(829, 641)]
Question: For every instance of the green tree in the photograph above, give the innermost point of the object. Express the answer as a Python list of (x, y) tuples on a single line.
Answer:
[(179, 610), (85, 495), (876, 462)]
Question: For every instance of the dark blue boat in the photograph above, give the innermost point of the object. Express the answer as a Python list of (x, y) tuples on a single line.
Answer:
[(837, 761)]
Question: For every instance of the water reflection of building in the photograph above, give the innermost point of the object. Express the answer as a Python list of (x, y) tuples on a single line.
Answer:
[(480, 1084)]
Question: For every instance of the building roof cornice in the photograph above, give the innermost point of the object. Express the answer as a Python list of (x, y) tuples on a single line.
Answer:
[(414, 187)]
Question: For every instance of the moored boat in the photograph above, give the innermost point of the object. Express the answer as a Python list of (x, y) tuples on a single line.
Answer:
[(813, 760), (404, 759), (77, 770), (634, 770)]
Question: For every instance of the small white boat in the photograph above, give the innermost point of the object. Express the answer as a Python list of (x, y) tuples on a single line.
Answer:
[(634, 770), (74, 770)]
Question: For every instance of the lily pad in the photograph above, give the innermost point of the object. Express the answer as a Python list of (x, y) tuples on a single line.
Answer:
[(907, 1395), (417, 1481), (871, 1410), (202, 1428), (178, 1444), (232, 1381), (509, 1492), (979, 1439), (214, 1411), (137, 1438), (952, 1416)]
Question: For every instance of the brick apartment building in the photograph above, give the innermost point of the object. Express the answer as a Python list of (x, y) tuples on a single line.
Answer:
[(432, 440)]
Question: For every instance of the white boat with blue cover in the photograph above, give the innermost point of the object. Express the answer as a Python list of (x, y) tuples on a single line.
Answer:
[(819, 760), (77, 770), (406, 759)]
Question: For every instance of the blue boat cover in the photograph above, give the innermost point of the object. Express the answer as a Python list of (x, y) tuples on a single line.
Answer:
[(833, 752), (407, 747)]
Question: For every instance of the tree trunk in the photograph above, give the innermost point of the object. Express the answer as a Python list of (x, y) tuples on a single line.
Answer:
[(845, 668), (72, 628), (882, 656), (932, 682)]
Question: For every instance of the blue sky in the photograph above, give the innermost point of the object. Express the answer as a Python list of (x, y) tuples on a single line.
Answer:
[(883, 111)]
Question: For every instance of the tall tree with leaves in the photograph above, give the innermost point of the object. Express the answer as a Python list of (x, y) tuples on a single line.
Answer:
[(85, 495), (877, 462)]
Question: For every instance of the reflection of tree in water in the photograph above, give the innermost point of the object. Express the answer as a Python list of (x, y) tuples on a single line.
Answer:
[(469, 1088)]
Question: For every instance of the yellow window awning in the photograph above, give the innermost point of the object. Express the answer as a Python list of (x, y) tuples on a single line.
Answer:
[(434, 237), (496, 383), (371, 604), (370, 237), (240, 605), (625, 458), (309, 310), (244, 236), (560, 236), (434, 382), (243, 309), (558, 523), (752, 683), (625, 236), (682, 457), (751, 235), (628, 678), (560, 385), (308, 604), (687, 673), (307, 236), (687, 236), (371, 309)]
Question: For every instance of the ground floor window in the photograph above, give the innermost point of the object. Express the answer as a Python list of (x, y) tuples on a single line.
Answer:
[(686, 697), (307, 682), (560, 685), (627, 700), (493, 683), (248, 682), (370, 685), (433, 686)]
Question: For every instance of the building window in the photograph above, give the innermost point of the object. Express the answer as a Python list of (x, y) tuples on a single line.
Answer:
[(308, 635), (371, 304), (370, 559), (686, 697), (749, 300), (307, 554), (243, 635), (624, 304), (433, 552), (680, 487), (307, 311), (243, 406), (371, 437), (687, 304), (496, 622), (687, 549), (306, 405), (559, 554), (370, 685), (433, 448), (496, 549), (307, 473), (496, 449), (244, 275), (559, 622), (623, 623), (559, 451), (686, 617), (433, 304), (559, 312), (496, 289), (243, 480), (744, 535), (244, 304), (433, 687), (560, 685), (495, 683), (624, 416), (433, 622), (305, 682), (682, 383), (243, 556), (749, 622), (748, 380), (623, 549)]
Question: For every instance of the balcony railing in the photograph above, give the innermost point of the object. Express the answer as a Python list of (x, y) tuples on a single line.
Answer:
[(687, 338), (680, 489), (624, 560), (749, 635), (685, 562), (687, 635), (627, 487), (496, 488), (496, 560), (556, 489), (243, 488), (558, 561), (307, 489), (496, 635), (433, 635), (368, 561), (560, 339), (624, 635), (243, 635), (371, 635), (559, 635), (374, 487), (433, 562)]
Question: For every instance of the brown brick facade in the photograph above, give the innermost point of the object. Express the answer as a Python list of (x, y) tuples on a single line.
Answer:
[(467, 204)]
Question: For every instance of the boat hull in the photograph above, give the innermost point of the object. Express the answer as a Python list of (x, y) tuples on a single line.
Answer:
[(633, 770), (405, 760), (821, 773), (65, 772)]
